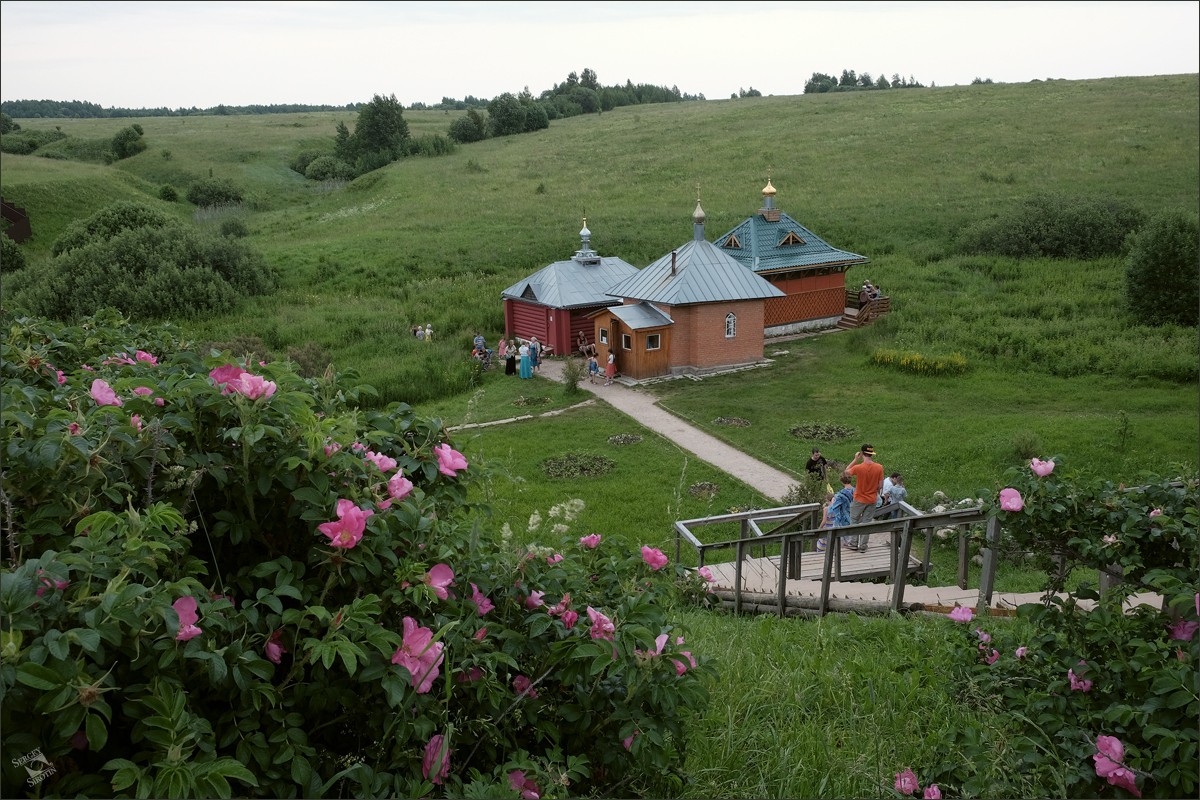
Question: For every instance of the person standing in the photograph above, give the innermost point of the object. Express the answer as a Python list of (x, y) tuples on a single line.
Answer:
[(428, 332), (502, 348), (420, 333), (817, 464), (479, 342), (593, 367), (868, 476), (510, 359), (526, 370), (535, 354), (610, 369), (898, 492)]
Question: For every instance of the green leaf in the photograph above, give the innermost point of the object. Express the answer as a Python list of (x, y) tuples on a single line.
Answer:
[(89, 640), (39, 677), (97, 732)]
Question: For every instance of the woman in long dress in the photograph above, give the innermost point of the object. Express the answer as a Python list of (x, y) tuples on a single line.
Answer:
[(526, 366), (610, 369), (510, 359)]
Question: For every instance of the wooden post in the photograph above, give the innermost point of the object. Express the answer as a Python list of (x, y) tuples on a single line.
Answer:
[(785, 545), (1110, 577), (900, 576), (737, 577), (832, 543), (929, 534), (962, 558), (987, 580)]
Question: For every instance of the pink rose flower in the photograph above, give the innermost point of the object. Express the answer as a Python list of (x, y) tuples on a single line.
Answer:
[(185, 608), (654, 557), (143, 391), (74, 429), (1157, 512), (419, 654), (399, 487), (534, 600), (274, 647), (554, 559), (961, 614), (906, 782), (527, 787), (347, 530), (569, 618), (136, 422), (1010, 500), (1108, 764), (706, 573), (591, 541), (450, 461), (103, 394), (1041, 468), (482, 604), (1021, 651), (480, 634), (60, 376), (224, 374), (992, 658), (252, 386), (1184, 629), (331, 448), (984, 636), (385, 463), (49, 582), (440, 577), (158, 401), (932, 792), (143, 356), (1078, 684), (602, 626), (627, 742), (435, 765), (681, 667), (523, 686)]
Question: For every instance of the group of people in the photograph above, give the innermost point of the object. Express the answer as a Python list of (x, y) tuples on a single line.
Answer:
[(867, 293), (864, 489), (423, 334), (524, 360)]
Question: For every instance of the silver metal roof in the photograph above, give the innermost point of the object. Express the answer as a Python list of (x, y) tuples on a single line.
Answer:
[(640, 315), (578, 282), (702, 274)]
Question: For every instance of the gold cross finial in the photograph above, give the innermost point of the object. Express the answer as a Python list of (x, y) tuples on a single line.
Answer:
[(697, 191)]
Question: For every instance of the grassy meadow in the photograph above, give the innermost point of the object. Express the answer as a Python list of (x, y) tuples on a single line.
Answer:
[(1056, 367)]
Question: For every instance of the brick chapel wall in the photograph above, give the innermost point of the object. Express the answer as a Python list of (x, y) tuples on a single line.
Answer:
[(699, 336)]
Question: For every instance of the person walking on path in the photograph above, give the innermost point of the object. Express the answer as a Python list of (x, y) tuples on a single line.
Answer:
[(838, 513), (868, 476), (610, 369), (526, 367)]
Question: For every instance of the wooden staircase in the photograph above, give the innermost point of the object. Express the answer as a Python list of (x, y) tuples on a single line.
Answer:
[(854, 316)]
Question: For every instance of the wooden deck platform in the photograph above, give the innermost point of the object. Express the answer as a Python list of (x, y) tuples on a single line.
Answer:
[(760, 581)]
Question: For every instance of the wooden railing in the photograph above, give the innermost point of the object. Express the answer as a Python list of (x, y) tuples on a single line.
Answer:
[(796, 526)]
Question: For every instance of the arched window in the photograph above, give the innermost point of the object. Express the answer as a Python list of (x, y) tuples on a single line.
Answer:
[(730, 325)]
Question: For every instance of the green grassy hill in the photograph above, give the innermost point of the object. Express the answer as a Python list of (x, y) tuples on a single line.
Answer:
[(894, 175)]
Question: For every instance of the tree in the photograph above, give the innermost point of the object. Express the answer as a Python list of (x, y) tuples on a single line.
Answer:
[(848, 80), (128, 142), (882, 82), (506, 115), (7, 125), (380, 127), (12, 257), (471, 127), (588, 80), (1161, 284), (819, 82)]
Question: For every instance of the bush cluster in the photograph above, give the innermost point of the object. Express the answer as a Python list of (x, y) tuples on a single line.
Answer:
[(214, 192), (1055, 226), (822, 431), (1162, 283), (917, 364), (1097, 697), (250, 587), (143, 263), (578, 465)]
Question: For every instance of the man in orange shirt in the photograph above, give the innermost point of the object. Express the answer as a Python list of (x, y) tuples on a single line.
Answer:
[(868, 477)]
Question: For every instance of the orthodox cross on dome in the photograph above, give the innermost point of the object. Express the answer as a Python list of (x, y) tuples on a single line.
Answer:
[(698, 218)]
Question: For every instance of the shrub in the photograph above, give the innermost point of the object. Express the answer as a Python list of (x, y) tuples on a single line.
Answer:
[(1068, 678), (234, 228), (1161, 281), (145, 264), (256, 589), (12, 257), (572, 373), (214, 192), (128, 142), (822, 431), (301, 160), (471, 127), (578, 465), (328, 168), (1055, 227), (168, 193)]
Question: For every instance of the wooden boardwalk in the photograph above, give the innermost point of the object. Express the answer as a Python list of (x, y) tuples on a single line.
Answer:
[(760, 581)]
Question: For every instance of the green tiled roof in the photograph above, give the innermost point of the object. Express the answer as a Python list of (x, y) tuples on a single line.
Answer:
[(762, 248)]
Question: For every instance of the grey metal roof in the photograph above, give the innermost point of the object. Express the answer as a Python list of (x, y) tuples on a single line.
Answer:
[(640, 315), (702, 274), (578, 282), (761, 250)]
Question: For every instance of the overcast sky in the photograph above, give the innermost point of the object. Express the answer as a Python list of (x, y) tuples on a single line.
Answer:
[(184, 54)]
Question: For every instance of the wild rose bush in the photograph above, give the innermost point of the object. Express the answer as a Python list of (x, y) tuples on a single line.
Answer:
[(1101, 702), (223, 579)]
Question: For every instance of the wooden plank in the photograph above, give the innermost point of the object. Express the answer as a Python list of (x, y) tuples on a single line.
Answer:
[(987, 580)]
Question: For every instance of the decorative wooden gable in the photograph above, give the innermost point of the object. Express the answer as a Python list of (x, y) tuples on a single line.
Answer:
[(790, 238), (529, 294), (732, 241)]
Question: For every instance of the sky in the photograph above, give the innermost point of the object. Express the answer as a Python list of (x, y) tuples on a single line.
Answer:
[(182, 54)]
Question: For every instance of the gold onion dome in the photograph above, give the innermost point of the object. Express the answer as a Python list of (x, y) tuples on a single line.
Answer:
[(768, 190), (698, 214)]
